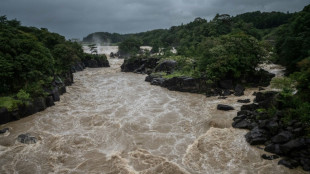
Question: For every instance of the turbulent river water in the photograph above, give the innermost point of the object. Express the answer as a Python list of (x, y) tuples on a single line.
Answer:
[(114, 122)]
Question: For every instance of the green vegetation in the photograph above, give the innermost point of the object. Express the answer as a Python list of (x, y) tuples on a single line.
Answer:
[(293, 40), (130, 46), (10, 103), (30, 60), (293, 48)]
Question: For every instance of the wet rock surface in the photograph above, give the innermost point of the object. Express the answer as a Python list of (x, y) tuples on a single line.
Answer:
[(244, 101), (142, 65), (26, 139), (283, 139), (224, 107), (4, 130)]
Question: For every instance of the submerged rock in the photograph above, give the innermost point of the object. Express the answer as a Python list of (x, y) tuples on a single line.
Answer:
[(224, 107), (27, 138), (2, 131), (270, 157), (244, 101)]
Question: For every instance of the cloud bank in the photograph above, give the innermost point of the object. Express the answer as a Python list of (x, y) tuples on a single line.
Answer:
[(78, 18)]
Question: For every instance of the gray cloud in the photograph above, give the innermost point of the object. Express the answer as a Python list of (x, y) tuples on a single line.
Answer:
[(77, 18)]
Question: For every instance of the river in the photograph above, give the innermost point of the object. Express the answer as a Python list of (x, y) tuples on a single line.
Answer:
[(115, 122)]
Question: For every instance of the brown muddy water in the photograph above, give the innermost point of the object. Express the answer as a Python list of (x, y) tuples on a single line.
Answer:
[(114, 122)]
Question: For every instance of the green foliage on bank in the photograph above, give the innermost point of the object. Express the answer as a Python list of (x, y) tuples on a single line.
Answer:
[(30, 59), (293, 42), (130, 46)]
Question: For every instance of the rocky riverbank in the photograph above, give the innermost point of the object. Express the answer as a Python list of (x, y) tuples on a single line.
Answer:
[(58, 87), (156, 68), (267, 127)]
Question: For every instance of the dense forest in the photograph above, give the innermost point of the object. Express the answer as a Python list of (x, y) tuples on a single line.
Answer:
[(32, 61)]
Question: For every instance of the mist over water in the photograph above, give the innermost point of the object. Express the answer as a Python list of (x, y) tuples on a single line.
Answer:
[(114, 122)]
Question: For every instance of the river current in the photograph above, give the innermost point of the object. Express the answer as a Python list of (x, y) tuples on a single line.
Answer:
[(115, 122)]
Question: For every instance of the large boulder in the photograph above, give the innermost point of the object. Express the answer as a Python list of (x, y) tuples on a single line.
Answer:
[(282, 137), (55, 94), (167, 66), (224, 107), (239, 90), (244, 101), (103, 63), (91, 63), (270, 157), (273, 148), (183, 84), (4, 130), (27, 139), (157, 81), (250, 107), (139, 65), (259, 78), (265, 99), (293, 145), (242, 124), (257, 136)]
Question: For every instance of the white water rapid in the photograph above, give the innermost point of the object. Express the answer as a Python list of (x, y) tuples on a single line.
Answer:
[(114, 122)]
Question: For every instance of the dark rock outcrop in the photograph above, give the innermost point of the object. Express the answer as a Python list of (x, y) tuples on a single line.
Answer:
[(270, 157), (49, 101), (27, 138), (242, 123), (289, 163), (39, 104), (79, 66), (265, 99), (259, 78), (167, 66), (283, 139), (224, 107), (250, 107), (4, 130), (93, 63), (239, 90), (139, 65), (257, 136), (244, 101)]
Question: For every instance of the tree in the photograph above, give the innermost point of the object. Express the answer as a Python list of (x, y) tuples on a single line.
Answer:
[(230, 56), (130, 46)]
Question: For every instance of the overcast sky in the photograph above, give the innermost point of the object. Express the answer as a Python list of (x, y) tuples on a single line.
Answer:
[(78, 18)]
